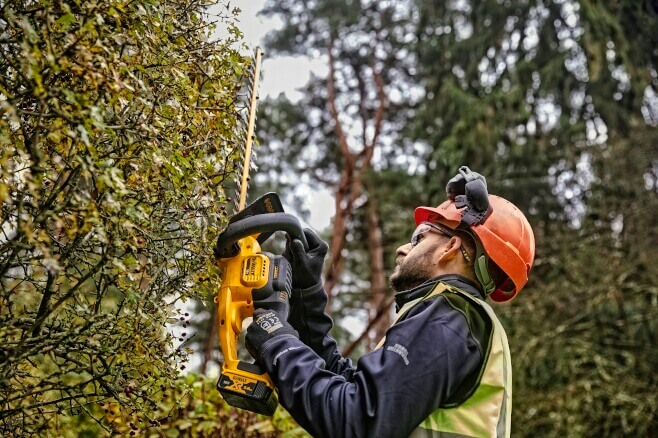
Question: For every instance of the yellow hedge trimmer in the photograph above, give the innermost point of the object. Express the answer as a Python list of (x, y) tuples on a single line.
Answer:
[(248, 274)]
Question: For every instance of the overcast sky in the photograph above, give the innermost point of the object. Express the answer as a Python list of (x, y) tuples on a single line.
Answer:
[(285, 74), (280, 74)]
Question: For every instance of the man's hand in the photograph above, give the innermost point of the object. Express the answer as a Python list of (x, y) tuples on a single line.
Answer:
[(267, 325), (306, 265), (271, 299)]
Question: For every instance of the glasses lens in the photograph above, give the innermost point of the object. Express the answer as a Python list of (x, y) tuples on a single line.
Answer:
[(423, 228), (420, 230)]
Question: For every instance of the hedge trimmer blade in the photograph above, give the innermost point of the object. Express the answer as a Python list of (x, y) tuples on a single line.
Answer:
[(246, 126)]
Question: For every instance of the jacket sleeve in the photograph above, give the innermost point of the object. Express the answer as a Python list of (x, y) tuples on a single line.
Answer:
[(308, 317), (392, 389)]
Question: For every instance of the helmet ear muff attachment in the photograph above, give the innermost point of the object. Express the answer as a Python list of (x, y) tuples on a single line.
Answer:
[(482, 271)]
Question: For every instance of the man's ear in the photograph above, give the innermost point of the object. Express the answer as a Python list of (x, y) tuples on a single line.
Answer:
[(450, 250)]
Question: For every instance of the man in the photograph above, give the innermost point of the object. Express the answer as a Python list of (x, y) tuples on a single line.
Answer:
[(443, 368)]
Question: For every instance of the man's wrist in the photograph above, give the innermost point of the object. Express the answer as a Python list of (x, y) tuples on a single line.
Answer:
[(267, 325), (311, 290), (275, 344)]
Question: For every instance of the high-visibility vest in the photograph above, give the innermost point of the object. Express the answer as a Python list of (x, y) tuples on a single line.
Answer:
[(485, 405)]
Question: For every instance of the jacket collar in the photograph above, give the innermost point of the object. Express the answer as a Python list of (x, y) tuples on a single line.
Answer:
[(455, 280)]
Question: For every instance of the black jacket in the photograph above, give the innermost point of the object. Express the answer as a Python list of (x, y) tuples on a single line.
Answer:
[(425, 357)]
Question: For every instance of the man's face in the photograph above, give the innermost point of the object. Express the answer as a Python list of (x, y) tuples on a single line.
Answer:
[(415, 263)]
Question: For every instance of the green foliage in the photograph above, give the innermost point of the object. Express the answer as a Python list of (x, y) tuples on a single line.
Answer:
[(189, 406), (583, 335), (116, 121)]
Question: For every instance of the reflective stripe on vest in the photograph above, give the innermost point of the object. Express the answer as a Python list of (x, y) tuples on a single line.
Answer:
[(488, 411)]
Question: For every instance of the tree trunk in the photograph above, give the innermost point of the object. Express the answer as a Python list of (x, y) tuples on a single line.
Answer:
[(350, 186), (378, 287)]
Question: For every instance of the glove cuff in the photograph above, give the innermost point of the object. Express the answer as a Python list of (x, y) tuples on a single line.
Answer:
[(266, 325), (312, 290)]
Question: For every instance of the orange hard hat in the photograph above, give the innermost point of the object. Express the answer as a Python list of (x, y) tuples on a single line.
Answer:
[(503, 235)]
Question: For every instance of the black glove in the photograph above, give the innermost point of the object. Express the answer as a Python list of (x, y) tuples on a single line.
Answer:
[(272, 297), (267, 324), (306, 265)]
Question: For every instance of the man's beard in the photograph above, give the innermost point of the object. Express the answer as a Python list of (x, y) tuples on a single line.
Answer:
[(412, 272)]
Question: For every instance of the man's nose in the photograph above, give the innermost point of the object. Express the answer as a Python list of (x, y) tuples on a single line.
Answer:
[(403, 250)]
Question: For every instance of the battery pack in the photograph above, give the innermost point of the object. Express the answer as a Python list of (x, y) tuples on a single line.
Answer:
[(246, 392)]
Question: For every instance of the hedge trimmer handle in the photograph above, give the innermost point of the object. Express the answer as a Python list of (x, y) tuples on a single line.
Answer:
[(263, 223)]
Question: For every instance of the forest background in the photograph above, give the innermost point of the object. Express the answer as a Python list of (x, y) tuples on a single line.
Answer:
[(119, 126)]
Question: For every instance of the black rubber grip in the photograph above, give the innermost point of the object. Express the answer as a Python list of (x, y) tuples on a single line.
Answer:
[(262, 223)]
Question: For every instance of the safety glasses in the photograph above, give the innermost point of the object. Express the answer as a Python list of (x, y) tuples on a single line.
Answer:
[(425, 227)]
